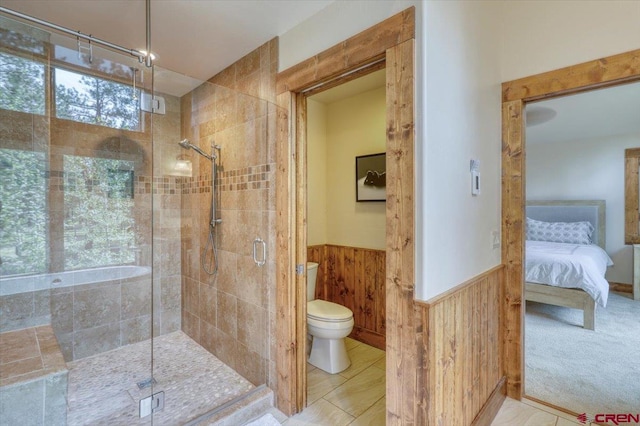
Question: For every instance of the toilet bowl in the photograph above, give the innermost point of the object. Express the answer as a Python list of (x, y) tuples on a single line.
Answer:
[(328, 323)]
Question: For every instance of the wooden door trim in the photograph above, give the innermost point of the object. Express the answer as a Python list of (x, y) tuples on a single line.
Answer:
[(361, 50), (604, 72)]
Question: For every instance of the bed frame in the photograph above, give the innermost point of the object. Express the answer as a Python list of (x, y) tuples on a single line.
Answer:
[(568, 211)]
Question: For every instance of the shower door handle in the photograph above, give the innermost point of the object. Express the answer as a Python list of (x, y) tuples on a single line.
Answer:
[(259, 241)]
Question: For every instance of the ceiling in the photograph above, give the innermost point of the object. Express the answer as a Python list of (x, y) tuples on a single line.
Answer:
[(589, 115), (198, 38), (363, 84)]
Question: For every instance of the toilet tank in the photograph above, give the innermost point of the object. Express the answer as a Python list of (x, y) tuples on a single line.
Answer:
[(312, 274)]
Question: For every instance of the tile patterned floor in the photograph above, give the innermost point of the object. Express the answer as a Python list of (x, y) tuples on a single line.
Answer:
[(103, 391), (355, 396)]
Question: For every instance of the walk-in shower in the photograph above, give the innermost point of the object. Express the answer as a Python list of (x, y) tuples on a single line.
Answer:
[(209, 262), (105, 263)]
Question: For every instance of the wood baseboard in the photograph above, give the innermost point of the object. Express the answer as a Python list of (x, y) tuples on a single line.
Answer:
[(620, 287), (492, 406)]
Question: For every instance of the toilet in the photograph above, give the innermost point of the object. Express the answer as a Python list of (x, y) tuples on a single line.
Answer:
[(328, 323)]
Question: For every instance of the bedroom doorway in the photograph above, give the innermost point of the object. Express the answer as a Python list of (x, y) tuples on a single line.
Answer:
[(580, 344), (518, 94)]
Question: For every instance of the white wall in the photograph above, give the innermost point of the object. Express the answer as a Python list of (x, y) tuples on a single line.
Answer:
[(336, 133), (355, 126), (457, 119), (587, 170), (316, 173), (542, 36), (462, 122)]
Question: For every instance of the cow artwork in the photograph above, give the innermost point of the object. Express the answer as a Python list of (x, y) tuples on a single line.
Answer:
[(371, 177)]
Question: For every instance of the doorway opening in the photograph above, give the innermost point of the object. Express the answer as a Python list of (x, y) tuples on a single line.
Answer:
[(575, 159), (345, 228)]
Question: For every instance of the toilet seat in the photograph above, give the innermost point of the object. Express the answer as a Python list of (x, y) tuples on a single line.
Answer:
[(321, 310), (322, 324)]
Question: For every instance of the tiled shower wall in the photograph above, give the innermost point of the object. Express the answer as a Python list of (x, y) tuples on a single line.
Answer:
[(92, 319), (232, 314)]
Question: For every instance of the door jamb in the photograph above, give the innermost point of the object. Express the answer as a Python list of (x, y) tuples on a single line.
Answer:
[(604, 72), (358, 51)]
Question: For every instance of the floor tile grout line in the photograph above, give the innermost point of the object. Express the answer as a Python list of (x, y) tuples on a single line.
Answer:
[(348, 380), (349, 414), (378, 400)]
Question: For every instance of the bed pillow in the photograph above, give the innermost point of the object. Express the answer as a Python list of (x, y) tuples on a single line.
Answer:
[(560, 232)]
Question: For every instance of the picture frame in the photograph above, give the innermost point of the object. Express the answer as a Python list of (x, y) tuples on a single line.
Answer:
[(371, 177)]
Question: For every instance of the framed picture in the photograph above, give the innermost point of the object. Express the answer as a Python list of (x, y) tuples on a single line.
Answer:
[(371, 177)]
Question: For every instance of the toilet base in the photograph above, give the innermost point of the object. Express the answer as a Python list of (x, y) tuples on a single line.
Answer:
[(329, 355)]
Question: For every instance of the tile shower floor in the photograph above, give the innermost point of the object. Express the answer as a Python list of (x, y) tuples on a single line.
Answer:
[(103, 389)]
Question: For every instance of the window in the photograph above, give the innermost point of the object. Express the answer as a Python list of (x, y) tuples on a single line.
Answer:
[(21, 84), (93, 100), (23, 212), (99, 218)]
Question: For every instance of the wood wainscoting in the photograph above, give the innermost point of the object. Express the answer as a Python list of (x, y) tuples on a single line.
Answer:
[(354, 277), (463, 334)]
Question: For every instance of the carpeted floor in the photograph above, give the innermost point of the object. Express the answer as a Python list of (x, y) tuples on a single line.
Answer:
[(581, 370)]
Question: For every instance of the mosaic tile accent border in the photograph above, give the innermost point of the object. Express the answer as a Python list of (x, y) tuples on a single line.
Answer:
[(163, 185), (254, 177)]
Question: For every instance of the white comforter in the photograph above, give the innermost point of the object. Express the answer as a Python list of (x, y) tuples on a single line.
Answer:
[(569, 265)]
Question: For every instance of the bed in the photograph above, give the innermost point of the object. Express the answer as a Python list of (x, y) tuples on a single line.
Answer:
[(567, 273)]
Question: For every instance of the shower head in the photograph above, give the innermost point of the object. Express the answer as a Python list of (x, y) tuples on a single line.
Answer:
[(188, 145)]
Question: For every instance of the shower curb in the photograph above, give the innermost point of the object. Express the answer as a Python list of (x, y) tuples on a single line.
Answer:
[(239, 411)]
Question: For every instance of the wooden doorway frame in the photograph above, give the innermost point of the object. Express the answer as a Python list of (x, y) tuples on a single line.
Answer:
[(392, 41), (605, 72)]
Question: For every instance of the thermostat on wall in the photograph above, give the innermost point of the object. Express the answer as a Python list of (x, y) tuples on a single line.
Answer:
[(475, 177)]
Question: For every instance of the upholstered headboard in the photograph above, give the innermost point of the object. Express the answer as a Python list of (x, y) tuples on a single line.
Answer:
[(572, 211)]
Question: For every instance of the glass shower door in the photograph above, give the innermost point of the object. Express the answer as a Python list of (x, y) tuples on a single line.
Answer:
[(75, 238)]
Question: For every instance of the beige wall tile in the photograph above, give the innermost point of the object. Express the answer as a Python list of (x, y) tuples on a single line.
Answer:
[(135, 330), (252, 326), (136, 299), (208, 304), (191, 325), (96, 307), (18, 345), (227, 314), (191, 296), (92, 341), (251, 365)]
